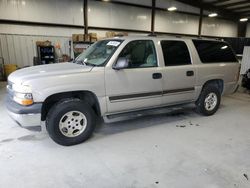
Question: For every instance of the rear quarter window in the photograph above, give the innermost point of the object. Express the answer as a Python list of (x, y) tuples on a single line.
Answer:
[(214, 51)]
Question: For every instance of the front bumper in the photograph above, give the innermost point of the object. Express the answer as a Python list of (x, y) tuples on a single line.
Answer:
[(25, 116), (26, 120)]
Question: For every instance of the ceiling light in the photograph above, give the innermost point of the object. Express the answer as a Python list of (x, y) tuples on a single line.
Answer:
[(243, 19), (172, 8), (212, 15)]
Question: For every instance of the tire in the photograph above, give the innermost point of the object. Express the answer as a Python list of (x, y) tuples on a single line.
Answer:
[(70, 122), (209, 96)]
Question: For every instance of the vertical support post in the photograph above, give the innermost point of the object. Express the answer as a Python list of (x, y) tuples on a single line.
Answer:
[(200, 20), (153, 17), (242, 29), (85, 13)]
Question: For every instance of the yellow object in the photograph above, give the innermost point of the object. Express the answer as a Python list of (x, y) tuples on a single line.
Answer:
[(9, 68), (27, 102), (24, 102)]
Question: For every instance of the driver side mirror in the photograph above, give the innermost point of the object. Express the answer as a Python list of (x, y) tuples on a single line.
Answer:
[(121, 63)]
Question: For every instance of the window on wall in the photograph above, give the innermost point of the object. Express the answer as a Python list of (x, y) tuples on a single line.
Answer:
[(214, 51), (140, 53), (175, 53)]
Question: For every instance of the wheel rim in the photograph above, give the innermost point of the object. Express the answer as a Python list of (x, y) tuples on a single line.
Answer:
[(72, 124), (211, 101)]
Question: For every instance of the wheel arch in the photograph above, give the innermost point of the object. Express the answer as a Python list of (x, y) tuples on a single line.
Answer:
[(85, 95), (219, 83)]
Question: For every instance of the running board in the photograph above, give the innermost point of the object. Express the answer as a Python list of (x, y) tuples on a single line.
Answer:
[(141, 113)]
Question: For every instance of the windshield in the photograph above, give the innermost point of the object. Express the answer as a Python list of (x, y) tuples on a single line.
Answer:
[(98, 53)]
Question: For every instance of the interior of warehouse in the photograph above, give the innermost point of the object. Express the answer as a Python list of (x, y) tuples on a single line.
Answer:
[(124, 93), (24, 23)]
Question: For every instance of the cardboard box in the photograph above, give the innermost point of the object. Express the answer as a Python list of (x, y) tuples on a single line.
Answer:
[(110, 34), (93, 35), (93, 39), (75, 37), (119, 34), (83, 38), (39, 43), (86, 37), (43, 43), (101, 38), (80, 37)]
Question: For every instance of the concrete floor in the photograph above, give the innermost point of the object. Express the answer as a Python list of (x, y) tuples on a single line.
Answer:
[(178, 150)]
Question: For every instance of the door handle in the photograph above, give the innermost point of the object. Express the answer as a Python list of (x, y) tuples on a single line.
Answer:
[(190, 73), (157, 75)]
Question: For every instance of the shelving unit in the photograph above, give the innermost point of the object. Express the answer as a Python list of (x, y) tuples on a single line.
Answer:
[(46, 54)]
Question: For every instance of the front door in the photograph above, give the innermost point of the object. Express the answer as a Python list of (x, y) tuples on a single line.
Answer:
[(138, 86)]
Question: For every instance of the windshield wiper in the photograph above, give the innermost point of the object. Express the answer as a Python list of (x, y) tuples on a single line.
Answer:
[(85, 63), (89, 64)]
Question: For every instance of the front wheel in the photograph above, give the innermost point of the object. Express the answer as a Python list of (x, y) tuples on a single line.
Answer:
[(70, 122), (209, 100)]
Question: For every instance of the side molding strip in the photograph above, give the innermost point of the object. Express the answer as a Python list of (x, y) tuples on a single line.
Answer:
[(150, 94), (178, 90), (120, 97)]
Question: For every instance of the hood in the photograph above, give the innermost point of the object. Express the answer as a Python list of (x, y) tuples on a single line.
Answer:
[(56, 69)]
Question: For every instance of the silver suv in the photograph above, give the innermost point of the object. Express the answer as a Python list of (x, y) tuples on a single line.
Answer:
[(117, 76)]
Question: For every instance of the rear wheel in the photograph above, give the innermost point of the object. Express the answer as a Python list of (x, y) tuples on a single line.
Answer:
[(209, 100), (70, 122)]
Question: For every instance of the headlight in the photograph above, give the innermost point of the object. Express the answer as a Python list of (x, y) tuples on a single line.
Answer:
[(21, 88), (23, 98), (22, 94)]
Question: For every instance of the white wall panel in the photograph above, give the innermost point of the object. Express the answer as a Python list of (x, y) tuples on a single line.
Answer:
[(173, 22), (219, 27), (25, 53), (248, 30), (104, 14), (10, 48), (49, 11), (20, 49), (16, 49), (180, 6), (4, 48), (38, 30), (1, 53)]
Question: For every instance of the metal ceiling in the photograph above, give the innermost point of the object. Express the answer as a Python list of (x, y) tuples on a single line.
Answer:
[(234, 9)]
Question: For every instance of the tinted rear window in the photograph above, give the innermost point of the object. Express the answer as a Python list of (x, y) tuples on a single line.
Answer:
[(214, 51)]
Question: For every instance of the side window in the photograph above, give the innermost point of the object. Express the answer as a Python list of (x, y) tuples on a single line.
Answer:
[(214, 51), (140, 53), (175, 53)]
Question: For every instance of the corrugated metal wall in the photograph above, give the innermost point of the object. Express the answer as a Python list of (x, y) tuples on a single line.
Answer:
[(20, 49)]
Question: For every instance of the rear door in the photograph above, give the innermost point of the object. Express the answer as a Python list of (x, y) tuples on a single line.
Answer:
[(178, 72)]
